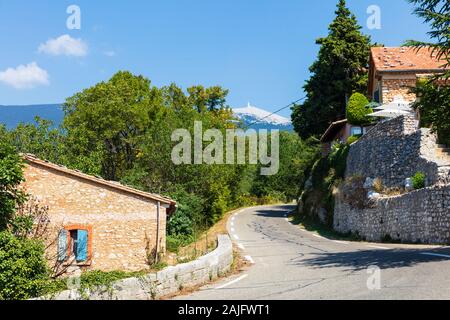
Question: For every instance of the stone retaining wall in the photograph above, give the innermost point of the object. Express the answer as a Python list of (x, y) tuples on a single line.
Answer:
[(395, 150), (421, 216), (166, 282)]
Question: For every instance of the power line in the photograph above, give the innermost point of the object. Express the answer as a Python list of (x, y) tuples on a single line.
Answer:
[(275, 112)]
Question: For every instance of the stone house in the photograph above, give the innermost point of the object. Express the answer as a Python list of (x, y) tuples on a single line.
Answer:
[(94, 224), (339, 132), (394, 71), (392, 74)]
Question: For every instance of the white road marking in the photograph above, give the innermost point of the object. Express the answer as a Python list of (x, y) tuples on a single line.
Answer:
[(233, 230), (233, 218), (435, 255), (232, 223), (340, 242), (287, 219), (236, 237), (317, 236), (241, 246), (249, 259), (378, 247), (232, 282)]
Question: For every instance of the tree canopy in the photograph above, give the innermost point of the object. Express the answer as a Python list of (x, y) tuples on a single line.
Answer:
[(340, 70)]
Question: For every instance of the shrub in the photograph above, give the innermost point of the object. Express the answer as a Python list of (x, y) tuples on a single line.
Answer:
[(188, 215), (23, 269), (357, 109), (418, 180), (353, 139), (378, 185)]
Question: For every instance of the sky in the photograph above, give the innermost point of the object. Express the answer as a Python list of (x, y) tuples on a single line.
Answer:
[(258, 49)]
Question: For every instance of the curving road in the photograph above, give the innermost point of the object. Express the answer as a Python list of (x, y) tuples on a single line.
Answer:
[(290, 263)]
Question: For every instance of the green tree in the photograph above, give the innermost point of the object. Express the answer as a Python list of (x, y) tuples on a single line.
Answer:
[(357, 109), (11, 176), (105, 122), (340, 70), (434, 102), (23, 269)]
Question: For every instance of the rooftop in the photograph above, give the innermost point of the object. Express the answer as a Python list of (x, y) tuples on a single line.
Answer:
[(406, 59), (111, 184)]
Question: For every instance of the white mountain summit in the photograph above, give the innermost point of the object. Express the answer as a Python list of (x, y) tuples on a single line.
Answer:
[(262, 118)]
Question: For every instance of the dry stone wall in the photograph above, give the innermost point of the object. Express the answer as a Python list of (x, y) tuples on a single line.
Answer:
[(393, 151), (421, 216), (165, 282)]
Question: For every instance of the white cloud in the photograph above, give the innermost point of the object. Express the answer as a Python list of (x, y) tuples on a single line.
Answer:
[(64, 45), (25, 76)]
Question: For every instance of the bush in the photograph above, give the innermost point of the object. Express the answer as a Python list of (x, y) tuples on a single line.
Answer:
[(357, 109), (418, 180), (23, 268), (353, 139), (188, 216)]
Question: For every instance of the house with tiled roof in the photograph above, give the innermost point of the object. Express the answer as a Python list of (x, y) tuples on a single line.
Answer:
[(395, 70), (95, 224)]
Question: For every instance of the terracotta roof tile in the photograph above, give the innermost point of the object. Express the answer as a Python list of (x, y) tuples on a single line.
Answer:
[(405, 59)]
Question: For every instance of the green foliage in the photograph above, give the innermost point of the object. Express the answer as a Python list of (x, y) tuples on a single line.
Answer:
[(326, 174), (339, 71), (434, 108), (11, 176), (353, 139), (418, 180), (357, 110), (434, 100), (437, 14), (93, 279), (174, 242), (23, 269), (296, 158)]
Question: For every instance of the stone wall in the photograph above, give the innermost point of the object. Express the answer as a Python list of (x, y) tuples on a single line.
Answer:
[(421, 216), (166, 282), (398, 87), (123, 227), (395, 150)]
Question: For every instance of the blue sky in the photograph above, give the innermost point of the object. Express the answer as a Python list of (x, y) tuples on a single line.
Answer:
[(259, 49)]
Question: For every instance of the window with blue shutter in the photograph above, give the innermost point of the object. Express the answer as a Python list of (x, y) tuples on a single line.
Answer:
[(62, 245), (82, 246)]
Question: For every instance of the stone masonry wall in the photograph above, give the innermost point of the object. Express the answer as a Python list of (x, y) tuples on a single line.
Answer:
[(420, 216), (395, 150), (398, 87), (166, 282), (124, 226)]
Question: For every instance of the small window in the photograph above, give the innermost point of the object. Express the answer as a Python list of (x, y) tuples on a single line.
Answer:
[(356, 131), (74, 244)]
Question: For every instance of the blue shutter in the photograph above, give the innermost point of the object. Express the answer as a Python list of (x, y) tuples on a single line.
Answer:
[(82, 245), (62, 245)]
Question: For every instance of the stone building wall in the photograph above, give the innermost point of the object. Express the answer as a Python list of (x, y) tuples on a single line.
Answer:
[(123, 226), (395, 150), (165, 282), (392, 87), (421, 216)]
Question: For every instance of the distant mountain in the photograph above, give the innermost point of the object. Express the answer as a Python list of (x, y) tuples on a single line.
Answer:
[(262, 119), (11, 116)]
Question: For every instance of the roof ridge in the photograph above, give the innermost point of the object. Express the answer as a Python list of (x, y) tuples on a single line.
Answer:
[(112, 184)]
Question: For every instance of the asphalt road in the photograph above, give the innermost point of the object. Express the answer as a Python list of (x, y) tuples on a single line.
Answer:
[(291, 263)]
